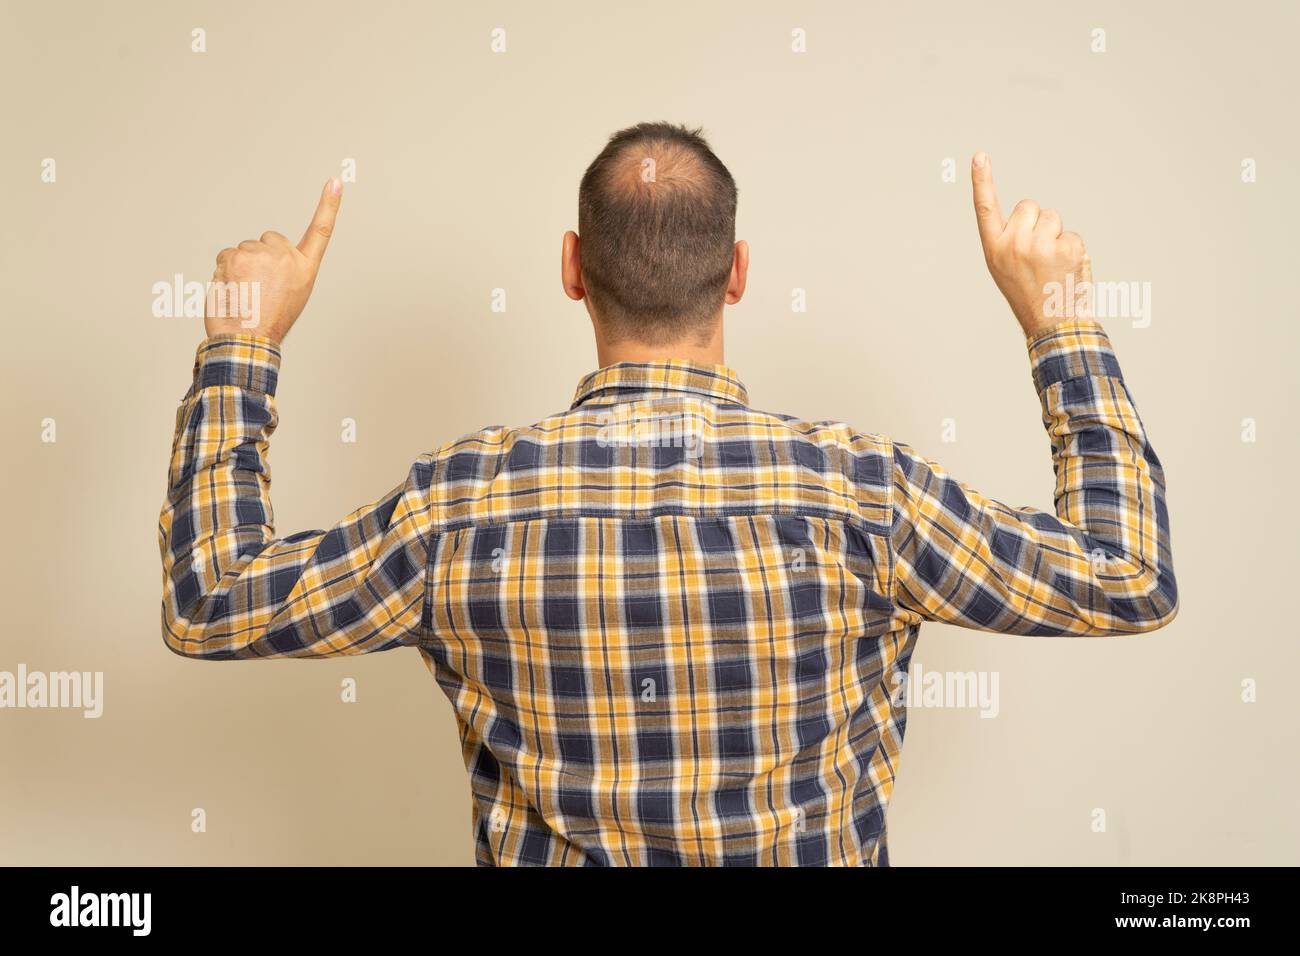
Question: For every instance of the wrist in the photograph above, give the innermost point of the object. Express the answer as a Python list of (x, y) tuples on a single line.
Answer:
[(214, 327), (1041, 328)]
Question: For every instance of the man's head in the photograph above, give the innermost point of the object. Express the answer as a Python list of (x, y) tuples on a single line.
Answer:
[(656, 254)]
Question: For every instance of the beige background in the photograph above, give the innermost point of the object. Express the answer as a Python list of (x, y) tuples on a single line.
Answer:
[(467, 171)]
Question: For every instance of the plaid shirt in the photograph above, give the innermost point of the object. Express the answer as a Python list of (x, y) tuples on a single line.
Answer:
[(671, 627)]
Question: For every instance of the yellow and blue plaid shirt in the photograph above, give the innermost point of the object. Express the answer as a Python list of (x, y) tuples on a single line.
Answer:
[(670, 626)]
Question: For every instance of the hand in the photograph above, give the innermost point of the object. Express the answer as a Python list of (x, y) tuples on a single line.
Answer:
[(261, 286), (1030, 257)]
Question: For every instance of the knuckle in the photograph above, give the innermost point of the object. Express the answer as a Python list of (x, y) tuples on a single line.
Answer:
[(324, 229)]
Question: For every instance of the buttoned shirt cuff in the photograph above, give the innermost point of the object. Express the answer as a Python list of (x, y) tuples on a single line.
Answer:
[(237, 359), (1075, 349)]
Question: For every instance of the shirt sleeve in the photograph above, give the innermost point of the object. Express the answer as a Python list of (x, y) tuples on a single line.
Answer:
[(231, 588), (1101, 565)]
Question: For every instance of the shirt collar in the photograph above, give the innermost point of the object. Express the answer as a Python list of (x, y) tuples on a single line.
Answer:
[(620, 381)]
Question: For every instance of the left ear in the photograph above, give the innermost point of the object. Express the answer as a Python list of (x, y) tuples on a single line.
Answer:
[(571, 267), (739, 273)]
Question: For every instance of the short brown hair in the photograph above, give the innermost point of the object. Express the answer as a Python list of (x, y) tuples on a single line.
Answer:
[(657, 224)]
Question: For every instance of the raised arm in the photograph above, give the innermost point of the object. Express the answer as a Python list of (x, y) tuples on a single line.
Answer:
[(1102, 564), (231, 588)]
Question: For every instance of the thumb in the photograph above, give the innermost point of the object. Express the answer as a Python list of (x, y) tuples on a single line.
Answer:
[(988, 212), (317, 237)]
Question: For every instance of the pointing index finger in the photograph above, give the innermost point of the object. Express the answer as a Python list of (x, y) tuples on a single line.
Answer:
[(988, 213), (317, 236)]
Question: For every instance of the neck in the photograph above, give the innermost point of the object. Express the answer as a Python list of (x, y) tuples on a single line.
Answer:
[(702, 352)]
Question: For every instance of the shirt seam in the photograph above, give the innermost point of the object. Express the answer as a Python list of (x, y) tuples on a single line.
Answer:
[(848, 516), (431, 536)]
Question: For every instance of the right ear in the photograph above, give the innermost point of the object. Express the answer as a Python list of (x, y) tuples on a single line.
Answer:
[(739, 273), (571, 267)]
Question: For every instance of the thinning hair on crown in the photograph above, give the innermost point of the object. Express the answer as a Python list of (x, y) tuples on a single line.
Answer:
[(657, 225)]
